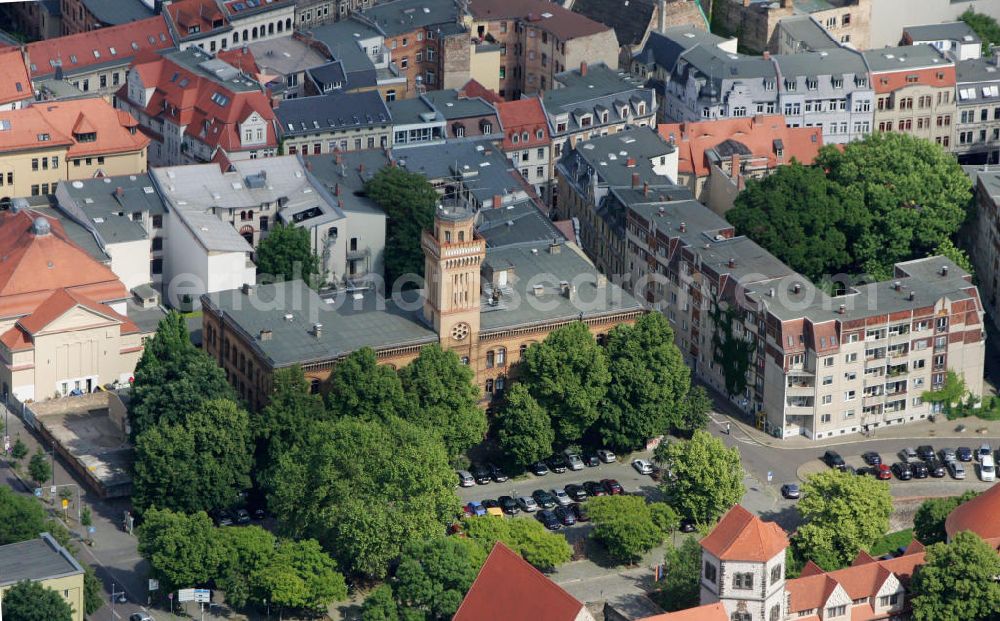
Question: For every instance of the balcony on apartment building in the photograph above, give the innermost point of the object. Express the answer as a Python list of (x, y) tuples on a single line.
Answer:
[(800, 406), (800, 385), (897, 370)]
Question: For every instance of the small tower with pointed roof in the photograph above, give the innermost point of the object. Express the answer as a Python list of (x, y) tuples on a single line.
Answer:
[(743, 567)]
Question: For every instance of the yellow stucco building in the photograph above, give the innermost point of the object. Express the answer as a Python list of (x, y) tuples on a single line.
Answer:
[(44, 561)]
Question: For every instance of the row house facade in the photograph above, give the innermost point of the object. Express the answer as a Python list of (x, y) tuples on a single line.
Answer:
[(527, 142), (539, 40), (335, 122), (214, 25), (197, 108), (977, 118), (846, 21), (51, 142), (313, 12), (807, 363), (594, 101), (985, 253), (914, 92)]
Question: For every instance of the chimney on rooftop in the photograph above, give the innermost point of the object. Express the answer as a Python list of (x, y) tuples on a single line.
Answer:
[(645, 188), (684, 227), (767, 55), (361, 168), (898, 286), (944, 270), (119, 191), (317, 330), (497, 201), (630, 162), (911, 295), (732, 263), (336, 189), (635, 180), (583, 69), (842, 309)]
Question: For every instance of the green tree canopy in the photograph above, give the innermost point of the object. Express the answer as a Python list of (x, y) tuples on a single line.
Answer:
[(30, 601), (289, 413), (363, 388), (703, 478), (842, 515), (524, 430), (928, 522), (20, 449), (93, 591), (173, 378), (21, 517), (180, 547), (242, 553), (960, 257), (801, 216), (201, 464), (568, 375), (364, 488), (40, 468), (957, 581), (286, 254), (888, 198), (434, 575), (625, 525), (543, 549), (444, 397), (649, 383), (380, 605), (985, 26), (301, 576), (693, 411), (681, 585), (409, 201)]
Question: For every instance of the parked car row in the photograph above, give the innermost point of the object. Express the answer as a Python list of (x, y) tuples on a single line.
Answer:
[(240, 517), (542, 501), (921, 463), (484, 474)]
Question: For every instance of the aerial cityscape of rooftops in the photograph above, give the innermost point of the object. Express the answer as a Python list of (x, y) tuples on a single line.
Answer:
[(512, 310)]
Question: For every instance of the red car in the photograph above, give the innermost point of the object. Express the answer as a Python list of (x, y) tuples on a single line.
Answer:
[(614, 487), (883, 472)]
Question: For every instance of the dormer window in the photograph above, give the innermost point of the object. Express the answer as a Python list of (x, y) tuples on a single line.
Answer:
[(812, 84), (837, 82), (486, 127), (515, 138), (539, 134), (790, 85), (194, 29), (585, 120), (641, 108), (604, 117), (769, 85), (525, 137), (459, 130)]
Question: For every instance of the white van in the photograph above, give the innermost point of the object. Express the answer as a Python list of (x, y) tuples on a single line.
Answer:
[(987, 469)]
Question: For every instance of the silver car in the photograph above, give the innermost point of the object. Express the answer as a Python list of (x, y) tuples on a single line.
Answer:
[(642, 466), (562, 498), (956, 469), (465, 478), (527, 504), (574, 461)]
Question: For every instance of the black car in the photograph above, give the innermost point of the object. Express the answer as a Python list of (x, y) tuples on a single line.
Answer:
[(920, 470), (688, 525), (565, 516), (872, 458), (549, 519), (834, 460), (489, 503), (539, 469), (935, 468), (902, 470), (543, 498), (496, 473), (242, 517), (865, 471), (595, 489), (481, 474), (579, 512), (223, 518), (576, 492), (963, 453), (590, 460), (925, 452), (508, 505), (557, 463)]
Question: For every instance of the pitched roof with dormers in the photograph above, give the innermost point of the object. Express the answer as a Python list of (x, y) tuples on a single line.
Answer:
[(47, 124), (741, 535), (508, 587), (33, 266), (520, 117), (91, 50), (207, 96), (15, 83)]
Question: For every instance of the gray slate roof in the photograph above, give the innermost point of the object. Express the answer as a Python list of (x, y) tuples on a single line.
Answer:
[(484, 169), (401, 16), (629, 18), (665, 48), (809, 34), (949, 31), (36, 559), (836, 62), (905, 57), (976, 70), (608, 156), (412, 111), (517, 224), (334, 111), (285, 55), (358, 167), (449, 104), (114, 12)]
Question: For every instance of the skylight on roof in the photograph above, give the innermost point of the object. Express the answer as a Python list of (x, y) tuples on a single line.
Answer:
[(135, 46), (4, 125), (148, 189), (220, 99), (72, 58), (97, 54), (113, 51)]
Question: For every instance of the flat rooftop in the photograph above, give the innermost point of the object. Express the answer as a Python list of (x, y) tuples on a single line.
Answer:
[(36, 559)]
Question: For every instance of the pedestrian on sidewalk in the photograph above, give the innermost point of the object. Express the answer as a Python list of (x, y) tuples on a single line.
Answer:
[(728, 431)]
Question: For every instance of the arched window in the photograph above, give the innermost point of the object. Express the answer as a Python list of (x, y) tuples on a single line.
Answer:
[(490, 357), (523, 349), (741, 616), (461, 236), (270, 29), (281, 26), (236, 37), (501, 356), (288, 24), (246, 34), (253, 32), (243, 215), (314, 386), (250, 215)]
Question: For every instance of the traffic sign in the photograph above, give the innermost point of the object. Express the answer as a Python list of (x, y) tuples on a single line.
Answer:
[(38, 492), (185, 595), (52, 490), (65, 503), (91, 530), (154, 584), (202, 595)]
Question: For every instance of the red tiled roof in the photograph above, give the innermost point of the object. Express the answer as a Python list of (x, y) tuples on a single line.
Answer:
[(562, 23), (16, 339), (192, 105), (198, 15), (15, 83), (241, 58), (48, 124), (708, 612), (57, 305), (32, 267), (520, 116), (98, 46), (473, 88), (978, 515), (740, 535), (508, 588), (756, 133)]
